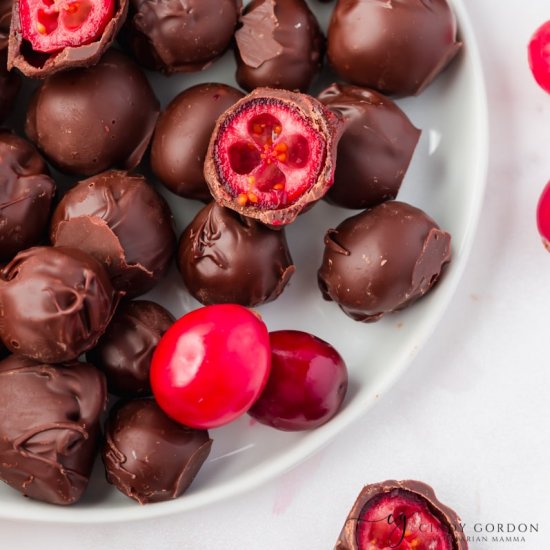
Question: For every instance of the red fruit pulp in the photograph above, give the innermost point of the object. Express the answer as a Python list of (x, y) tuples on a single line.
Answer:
[(51, 25), (269, 155), (539, 56), (543, 216), (307, 384), (211, 365), (401, 520)]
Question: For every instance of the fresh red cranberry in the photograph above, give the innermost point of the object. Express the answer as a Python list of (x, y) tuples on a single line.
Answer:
[(543, 216), (539, 55), (307, 384), (401, 520), (272, 154), (211, 365), (51, 25)]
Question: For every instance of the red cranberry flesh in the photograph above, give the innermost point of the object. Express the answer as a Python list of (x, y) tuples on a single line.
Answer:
[(401, 520), (307, 383), (51, 25)]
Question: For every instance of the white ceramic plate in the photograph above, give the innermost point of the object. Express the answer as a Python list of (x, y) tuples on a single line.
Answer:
[(446, 179)]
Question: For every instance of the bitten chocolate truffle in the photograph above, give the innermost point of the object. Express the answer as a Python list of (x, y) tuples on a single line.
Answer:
[(375, 149), (182, 134), (9, 81), (26, 194), (124, 352), (397, 48), (401, 514), (55, 303), (124, 223), (81, 45), (88, 120), (147, 455), (279, 45), (382, 260), (174, 36), (49, 427), (224, 257)]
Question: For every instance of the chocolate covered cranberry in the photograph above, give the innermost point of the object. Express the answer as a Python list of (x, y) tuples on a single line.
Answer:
[(375, 149), (26, 195), (121, 220), (148, 456), (272, 154), (404, 515), (49, 427), (88, 120), (307, 383), (179, 36), (55, 303), (125, 351), (50, 36), (382, 260), (225, 257), (395, 47), (182, 135), (279, 44)]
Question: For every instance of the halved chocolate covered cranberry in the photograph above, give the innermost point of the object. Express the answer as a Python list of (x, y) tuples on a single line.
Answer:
[(402, 515), (272, 154)]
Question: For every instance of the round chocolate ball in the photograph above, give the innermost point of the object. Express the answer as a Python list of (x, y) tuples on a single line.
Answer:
[(26, 194), (279, 45), (225, 257), (179, 36), (55, 303), (49, 427), (124, 223), (375, 149), (397, 49), (148, 456), (124, 352), (88, 120), (182, 135), (382, 260)]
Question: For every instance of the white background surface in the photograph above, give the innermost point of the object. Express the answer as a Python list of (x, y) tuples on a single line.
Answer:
[(471, 414)]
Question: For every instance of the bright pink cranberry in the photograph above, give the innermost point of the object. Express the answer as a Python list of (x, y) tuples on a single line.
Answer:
[(539, 55), (211, 365), (401, 520), (307, 384), (543, 216)]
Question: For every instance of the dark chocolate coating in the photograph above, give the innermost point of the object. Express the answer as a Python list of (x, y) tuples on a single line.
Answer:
[(328, 124), (182, 135), (26, 194), (40, 65), (147, 455), (396, 46), (224, 257), (375, 149), (124, 223), (124, 352), (279, 44), (55, 303), (448, 518), (49, 426), (5, 21), (179, 35), (88, 120), (382, 260), (10, 83)]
